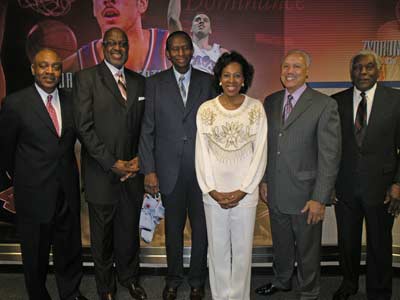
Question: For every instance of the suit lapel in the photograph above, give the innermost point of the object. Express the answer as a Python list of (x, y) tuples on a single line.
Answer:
[(378, 112), (41, 111), (64, 120), (108, 81), (173, 90), (131, 89), (347, 114), (276, 111), (301, 106), (193, 95)]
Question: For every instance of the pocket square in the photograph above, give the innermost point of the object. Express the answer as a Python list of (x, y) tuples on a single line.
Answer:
[(141, 98)]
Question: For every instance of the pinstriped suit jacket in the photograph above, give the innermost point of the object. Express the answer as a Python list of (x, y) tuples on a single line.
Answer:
[(304, 152)]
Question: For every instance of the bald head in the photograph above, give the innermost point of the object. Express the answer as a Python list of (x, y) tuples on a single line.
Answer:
[(114, 30)]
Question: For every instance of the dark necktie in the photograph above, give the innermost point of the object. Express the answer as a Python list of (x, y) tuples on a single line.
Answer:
[(360, 124), (287, 108), (52, 113)]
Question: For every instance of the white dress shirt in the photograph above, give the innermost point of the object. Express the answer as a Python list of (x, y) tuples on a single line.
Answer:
[(115, 71), (186, 81), (369, 95)]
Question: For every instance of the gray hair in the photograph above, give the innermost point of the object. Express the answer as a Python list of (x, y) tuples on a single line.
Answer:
[(303, 53), (366, 52)]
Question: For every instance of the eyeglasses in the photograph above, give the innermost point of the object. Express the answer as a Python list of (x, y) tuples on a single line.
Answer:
[(112, 44)]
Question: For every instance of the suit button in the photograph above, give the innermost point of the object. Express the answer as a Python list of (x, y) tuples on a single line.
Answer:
[(185, 139), (279, 152), (280, 134)]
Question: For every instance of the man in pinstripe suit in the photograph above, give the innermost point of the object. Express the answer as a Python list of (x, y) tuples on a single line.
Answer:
[(303, 159)]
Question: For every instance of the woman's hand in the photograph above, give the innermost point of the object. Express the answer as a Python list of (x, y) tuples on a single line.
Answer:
[(227, 200)]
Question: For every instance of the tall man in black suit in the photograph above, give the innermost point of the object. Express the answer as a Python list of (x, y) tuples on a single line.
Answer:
[(108, 111), (167, 147), (37, 140), (368, 184)]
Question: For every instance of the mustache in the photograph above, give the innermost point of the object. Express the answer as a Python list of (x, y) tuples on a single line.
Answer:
[(51, 77)]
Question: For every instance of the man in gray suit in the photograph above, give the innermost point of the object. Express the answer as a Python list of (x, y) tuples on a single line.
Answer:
[(303, 159), (166, 151)]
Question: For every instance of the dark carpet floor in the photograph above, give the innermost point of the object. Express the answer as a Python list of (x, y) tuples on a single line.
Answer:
[(12, 287)]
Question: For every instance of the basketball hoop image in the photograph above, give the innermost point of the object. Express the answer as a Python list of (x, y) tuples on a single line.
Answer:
[(48, 8), (51, 34)]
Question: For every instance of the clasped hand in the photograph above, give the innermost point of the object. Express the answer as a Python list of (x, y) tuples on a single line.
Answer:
[(126, 168), (227, 200)]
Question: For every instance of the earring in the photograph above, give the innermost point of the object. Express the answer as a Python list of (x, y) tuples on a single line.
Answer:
[(220, 83), (242, 84)]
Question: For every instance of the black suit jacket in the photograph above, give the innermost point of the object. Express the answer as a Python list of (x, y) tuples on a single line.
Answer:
[(168, 125), (39, 161), (378, 156), (108, 128)]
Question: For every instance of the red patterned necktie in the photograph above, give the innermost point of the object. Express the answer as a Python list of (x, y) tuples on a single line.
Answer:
[(122, 85), (52, 113), (360, 123)]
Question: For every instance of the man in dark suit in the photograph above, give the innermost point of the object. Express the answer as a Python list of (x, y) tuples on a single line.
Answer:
[(108, 111), (368, 184), (303, 161), (37, 140), (167, 147)]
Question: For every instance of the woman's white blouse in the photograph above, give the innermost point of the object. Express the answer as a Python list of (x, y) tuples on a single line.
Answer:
[(231, 149)]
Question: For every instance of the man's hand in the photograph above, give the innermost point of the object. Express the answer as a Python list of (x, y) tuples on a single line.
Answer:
[(126, 169), (316, 211), (134, 163), (393, 198), (263, 192), (122, 168), (151, 183)]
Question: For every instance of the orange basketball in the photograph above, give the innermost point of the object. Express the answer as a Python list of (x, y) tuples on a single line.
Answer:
[(51, 34)]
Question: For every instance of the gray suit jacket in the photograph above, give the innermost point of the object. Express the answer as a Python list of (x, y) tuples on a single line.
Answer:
[(168, 125), (303, 153)]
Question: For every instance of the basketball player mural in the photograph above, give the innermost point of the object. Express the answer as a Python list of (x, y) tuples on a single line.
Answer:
[(205, 55), (387, 46), (147, 54)]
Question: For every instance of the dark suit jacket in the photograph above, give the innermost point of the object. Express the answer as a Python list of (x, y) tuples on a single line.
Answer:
[(39, 161), (168, 125), (378, 156), (303, 153), (108, 128)]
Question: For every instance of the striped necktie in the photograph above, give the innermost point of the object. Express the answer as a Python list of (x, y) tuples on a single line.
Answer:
[(122, 85), (182, 88), (52, 113), (288, 108), (360, 124)]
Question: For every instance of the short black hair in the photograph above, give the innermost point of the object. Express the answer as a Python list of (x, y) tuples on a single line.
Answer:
[(108, 32), (174, 34), (228, 58)]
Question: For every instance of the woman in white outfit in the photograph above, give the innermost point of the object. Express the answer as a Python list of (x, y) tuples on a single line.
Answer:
[(231, 156)]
